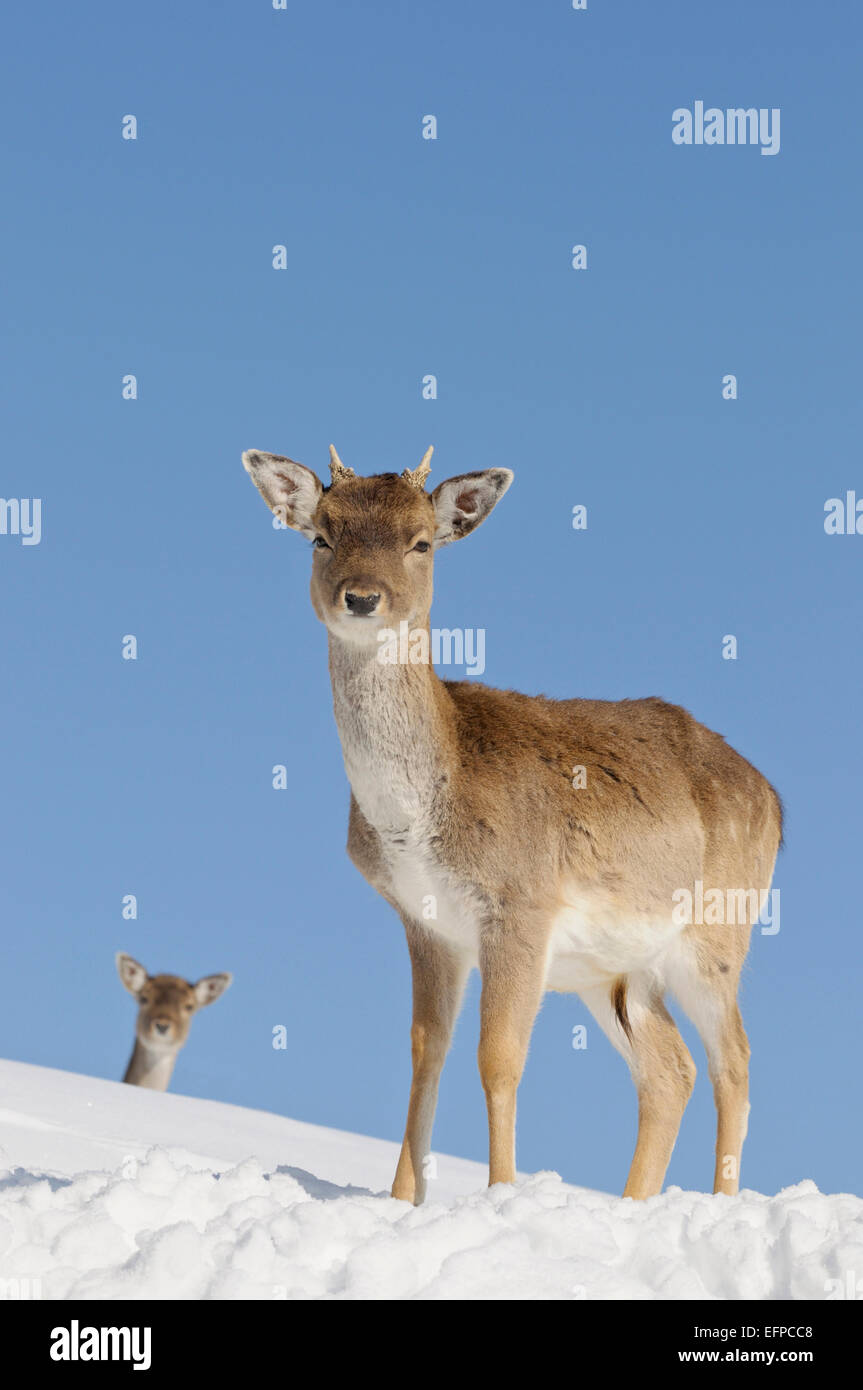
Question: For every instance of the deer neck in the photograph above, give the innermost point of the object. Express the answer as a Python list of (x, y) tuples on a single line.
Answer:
[(150, 1069), (396, 725)]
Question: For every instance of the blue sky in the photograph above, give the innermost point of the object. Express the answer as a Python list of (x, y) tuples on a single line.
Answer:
[(600, 387)]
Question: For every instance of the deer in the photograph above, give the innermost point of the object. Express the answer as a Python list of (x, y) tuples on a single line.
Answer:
[(466, 818), (166, 1006)]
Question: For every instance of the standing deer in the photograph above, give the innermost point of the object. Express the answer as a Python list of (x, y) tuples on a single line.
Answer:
[(166, 1006), (463, 798)]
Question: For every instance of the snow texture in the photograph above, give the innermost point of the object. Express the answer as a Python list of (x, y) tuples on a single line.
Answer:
[(111, 1192)]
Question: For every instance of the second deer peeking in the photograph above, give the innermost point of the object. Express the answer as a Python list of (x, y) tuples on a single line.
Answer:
[(166, 1007)]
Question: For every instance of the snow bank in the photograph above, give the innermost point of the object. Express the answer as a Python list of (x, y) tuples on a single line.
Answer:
[(212, 1201)]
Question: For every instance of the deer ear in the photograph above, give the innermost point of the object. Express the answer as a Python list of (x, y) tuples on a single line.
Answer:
[(289, 489), (208, 990), (460, 504), (133, 975)]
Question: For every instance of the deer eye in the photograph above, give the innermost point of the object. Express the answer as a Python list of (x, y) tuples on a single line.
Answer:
[(320, 544), (422, 547), (188, 1008)]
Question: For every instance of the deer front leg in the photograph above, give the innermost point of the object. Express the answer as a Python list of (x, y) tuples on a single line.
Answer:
[(513, 978), (439, 975)]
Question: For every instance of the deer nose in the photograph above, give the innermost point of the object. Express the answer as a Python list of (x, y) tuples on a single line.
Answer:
[(161, 1027), (361, 604)]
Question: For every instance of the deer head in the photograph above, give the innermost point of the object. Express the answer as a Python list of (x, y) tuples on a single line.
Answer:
[(166, 1003), (374, 538)]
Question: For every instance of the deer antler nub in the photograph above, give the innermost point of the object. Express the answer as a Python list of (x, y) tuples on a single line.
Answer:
[(417, 476), (338, 472)]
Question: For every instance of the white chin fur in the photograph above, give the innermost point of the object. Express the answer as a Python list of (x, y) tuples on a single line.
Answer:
[(359, 632)]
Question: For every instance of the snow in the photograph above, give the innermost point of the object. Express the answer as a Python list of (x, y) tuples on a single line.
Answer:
[(112, 1192)]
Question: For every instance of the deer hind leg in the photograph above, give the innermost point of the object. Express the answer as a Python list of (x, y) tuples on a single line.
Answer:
[(661, 1068), (730, 1076), (704, 979), (439, 975)]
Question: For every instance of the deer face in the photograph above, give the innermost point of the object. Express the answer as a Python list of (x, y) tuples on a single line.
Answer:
[(166, 1003), (373, 557), (374, 538)]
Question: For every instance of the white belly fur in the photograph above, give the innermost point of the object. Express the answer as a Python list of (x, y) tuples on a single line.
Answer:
[(591, 940)]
